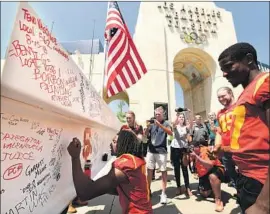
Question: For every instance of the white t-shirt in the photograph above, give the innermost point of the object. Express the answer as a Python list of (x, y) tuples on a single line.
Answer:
[(180, 141)]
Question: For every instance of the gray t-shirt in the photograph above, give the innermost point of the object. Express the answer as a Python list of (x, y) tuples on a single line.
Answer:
[(158, 138), (199, 134)]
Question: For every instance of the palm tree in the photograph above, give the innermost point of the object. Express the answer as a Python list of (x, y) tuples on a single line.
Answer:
[(120, 114)]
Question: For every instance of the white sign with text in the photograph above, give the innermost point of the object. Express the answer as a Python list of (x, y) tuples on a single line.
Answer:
[(45, 102)]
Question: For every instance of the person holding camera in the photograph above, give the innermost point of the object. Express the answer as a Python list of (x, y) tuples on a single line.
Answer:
[(179, 156), (157, 132)]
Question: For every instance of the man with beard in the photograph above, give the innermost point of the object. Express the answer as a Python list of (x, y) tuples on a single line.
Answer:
[(224, 116), (249, 133)]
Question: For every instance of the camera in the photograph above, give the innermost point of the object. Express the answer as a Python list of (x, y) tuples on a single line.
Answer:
[(190, 148), (179, 109), (152, 120)]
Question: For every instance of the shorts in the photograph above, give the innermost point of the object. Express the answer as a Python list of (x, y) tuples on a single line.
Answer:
[(154, 158), (248, 189), (204, 182)]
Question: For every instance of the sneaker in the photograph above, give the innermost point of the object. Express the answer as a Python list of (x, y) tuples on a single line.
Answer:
[(163, 199)]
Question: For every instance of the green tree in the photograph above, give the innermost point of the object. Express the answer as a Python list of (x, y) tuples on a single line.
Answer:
[(120, 114)]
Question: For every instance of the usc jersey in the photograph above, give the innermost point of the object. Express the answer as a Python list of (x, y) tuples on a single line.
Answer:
[(249, 138), (224, 117), (201, 170), (134, 197)]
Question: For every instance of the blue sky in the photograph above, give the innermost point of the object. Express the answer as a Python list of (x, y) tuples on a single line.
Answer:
[(74, 21)]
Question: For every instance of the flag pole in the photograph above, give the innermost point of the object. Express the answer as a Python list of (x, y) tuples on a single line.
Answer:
[(103, 88), (52, 27), (91, 53), (120, 13)]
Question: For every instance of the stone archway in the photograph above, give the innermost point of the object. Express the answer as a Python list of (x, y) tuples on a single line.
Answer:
[(193, 70)]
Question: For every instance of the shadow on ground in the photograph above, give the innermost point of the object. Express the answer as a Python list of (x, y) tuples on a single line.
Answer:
[(236, 210), (169, 208)]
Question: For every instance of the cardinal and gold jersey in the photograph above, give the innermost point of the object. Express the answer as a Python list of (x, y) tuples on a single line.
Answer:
[(224, 117), (134, 197), (249, 132), (201, 169)]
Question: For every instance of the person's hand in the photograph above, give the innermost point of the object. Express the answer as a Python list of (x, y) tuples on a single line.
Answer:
[(193, 154), (157, 123), (256, 209), (217, 149), (74, 148), (148, 124), (174, 124), (213, 153)]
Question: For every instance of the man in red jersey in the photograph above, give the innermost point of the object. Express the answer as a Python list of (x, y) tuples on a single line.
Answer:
[(249, 134), (224, 116), (211, 174), (127, 176)]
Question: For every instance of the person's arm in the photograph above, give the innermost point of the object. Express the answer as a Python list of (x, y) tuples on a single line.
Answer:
[(176, 134), (148, 128), (191, 135), (87, 189), (166, 129), (189, 113), (140, 134), (206, 163)]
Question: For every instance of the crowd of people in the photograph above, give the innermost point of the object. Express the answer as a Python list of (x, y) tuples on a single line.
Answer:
[(232, 146)]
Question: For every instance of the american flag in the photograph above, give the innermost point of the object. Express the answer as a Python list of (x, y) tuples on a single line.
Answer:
[(124, 65)]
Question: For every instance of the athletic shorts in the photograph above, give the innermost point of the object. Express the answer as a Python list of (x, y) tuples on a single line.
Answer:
[(154, 158), (204, 182)]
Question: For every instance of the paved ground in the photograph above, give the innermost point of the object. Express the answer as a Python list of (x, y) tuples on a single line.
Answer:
[(109, 204)]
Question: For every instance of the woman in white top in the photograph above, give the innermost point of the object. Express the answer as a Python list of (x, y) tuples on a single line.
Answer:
[(179, 147)]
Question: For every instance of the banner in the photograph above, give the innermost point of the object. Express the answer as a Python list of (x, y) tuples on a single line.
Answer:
[(45, 102)]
